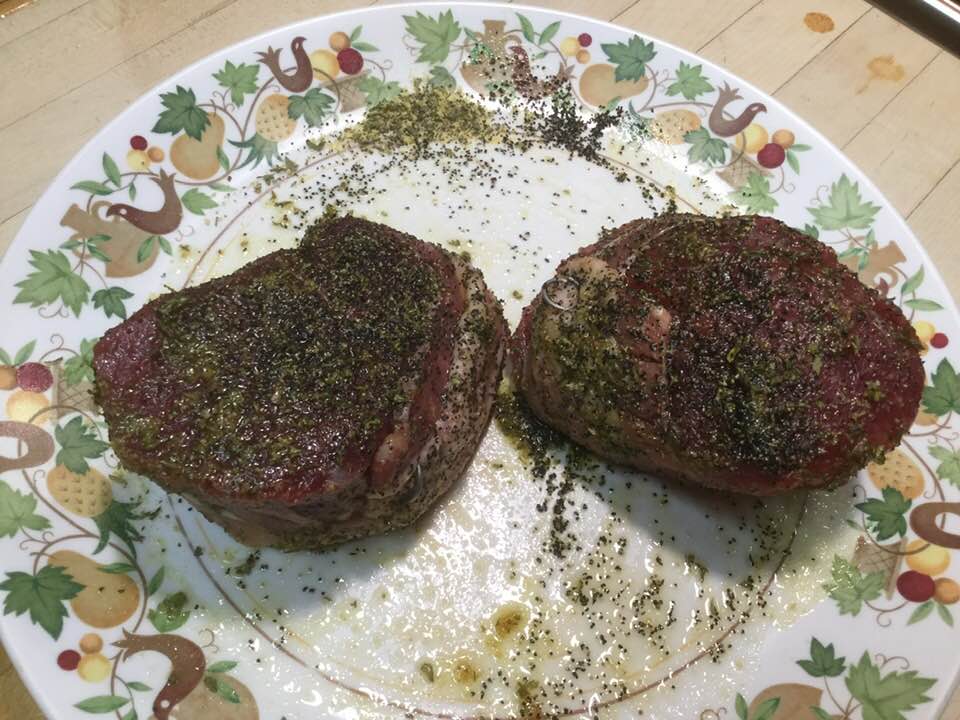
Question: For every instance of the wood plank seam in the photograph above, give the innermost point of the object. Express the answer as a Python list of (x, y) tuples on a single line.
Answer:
[(932, 188), (53, 19), (203, 16), (729, 25), (625, 10)]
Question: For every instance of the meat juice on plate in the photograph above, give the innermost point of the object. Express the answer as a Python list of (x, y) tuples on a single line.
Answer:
[(537, 581)]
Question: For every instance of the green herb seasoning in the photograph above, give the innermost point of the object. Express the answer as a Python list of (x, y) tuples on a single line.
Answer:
[(280, 370)]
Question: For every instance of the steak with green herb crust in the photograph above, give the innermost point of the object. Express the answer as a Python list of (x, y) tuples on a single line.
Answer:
[(733, 353), (316, 395)]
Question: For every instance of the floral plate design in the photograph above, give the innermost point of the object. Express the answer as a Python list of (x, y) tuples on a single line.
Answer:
[(118, 601)]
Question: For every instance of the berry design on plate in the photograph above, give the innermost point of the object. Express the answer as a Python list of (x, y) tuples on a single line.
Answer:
[(339, 41), (569, 46), (94, 667), (28, 407), (138, 160), (350, 61), (138, 142), (939, 341), (915, 586), (771, 156), (946, 591), (68, 660), (783, 138), (35, 377), (585, 40), (325, 65), (91, 643)]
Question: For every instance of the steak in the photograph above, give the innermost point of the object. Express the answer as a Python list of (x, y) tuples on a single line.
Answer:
[(733, 353), (316, 395)]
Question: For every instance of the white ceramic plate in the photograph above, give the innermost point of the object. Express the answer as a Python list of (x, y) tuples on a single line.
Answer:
[(121, 600)]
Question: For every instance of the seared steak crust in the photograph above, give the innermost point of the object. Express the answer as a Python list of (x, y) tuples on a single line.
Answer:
[(734, 353), (315, 395)]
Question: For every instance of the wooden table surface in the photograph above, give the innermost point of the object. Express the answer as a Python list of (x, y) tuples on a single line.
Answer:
[(885, 95)]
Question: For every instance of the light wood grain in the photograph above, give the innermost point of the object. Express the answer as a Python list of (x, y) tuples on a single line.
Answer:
[(768, 44), (691, 24), (854, 78), (16, 22), (908, 148), (69, 66)]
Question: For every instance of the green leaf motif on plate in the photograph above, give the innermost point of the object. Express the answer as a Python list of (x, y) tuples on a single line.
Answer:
[(885, 516), (93, 187), (17, 512), (155, 582), (944, 612), (792, 160), (921, 612), (117, 568), (949, 467), (704, 147), (24, 353), (181, 113), (435, 35), (755, 195), (222, 688), (197, 202), (102, 704), (239, 79), (378, 91), (441, 77), (886, 697), (740, 705), (78, 368), (222, 159), (260, 149), (170, 614), (42, 595), (137, 686), (117, 520), (912, 282), (845, 208), (767, 709), (923, 304), (850, 588), (111, 300), (526, 27), (690, 82), (111, 170), (630, 58), (823, 661), (222, 666), (77, 443), (52, 279), (549, 32), (943, 394), (313, 106)]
